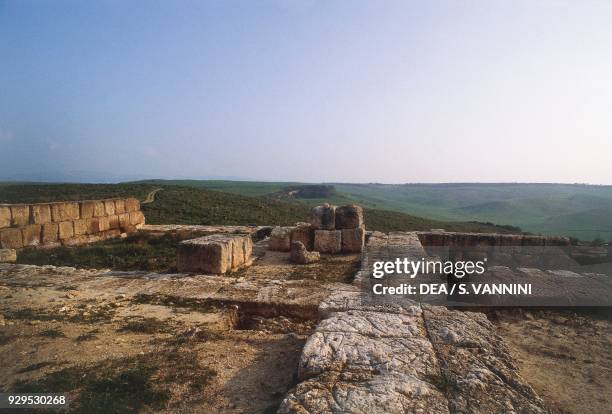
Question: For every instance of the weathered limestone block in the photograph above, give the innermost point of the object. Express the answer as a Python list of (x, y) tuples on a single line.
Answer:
[(113, 222), (50, 233), (300, 255), (304, 233), (41, 213), (11, 239), (124, 222), (65, 211), (353, 240), (478, 363), (119, 206), (103, 223), (8, 255), (346, 300), (99, 209), (242, 249), (81, 227), (132, 204), (348, 392), (109, 207), (31, 235), (66, 229), (20, 215), (214, 254), (349, 217), (137, 218), (323, 217), (87, 209), (328, 241), (280, 239), (5, 217), (83, 239)]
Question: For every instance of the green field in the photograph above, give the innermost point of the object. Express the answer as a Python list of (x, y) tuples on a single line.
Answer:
[(193, 204), (581, 211)]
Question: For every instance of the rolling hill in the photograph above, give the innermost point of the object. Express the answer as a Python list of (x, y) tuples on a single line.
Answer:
[(576, 210), (192, 205)]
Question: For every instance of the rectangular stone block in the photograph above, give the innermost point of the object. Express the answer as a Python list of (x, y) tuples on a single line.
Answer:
[(99, 209), (213, 254), (82, 227), (20, 215), (103, 223), (41, 213), (66, 229), (304, 233), (349, 217), (280, 239), (5, 217), (31, 235), (353, 240), (323, 217), (242, 248), (137, 218), (109, 207), (8, 255), (124, 221), (11, 239), (328, 241), (119, 206), (113, 222), (87, 209), (50, 233), (132, 204), (65, 211)]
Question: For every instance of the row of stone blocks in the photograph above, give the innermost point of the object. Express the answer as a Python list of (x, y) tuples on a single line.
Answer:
[(331, 230), (217, 253), (67, 223)]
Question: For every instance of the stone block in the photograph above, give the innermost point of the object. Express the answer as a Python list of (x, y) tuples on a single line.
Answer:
[(5, 217), (31, 235), (137, 218), (88, 209), (50, 233), (11, 239), (41, 213), (80, 227), (353, 240), (8, 255), (304, 233), (242, 248), (109, 207), (20, 215), (103, 224), (323, 217), (300, 255), (132, 204), (280, 239), (214, 254), (124, 221), (119, 206), (349, 217), (65, 211), (113, 222), (99, 209), (66, 229), (328, 241)]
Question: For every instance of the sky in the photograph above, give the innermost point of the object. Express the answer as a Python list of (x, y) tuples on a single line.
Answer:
[(312, 91)]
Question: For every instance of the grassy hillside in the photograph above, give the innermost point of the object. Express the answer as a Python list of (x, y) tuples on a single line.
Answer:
[(191, 205), (575, 210)]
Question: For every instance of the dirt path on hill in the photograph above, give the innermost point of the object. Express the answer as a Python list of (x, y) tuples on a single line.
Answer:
[(151, 196)]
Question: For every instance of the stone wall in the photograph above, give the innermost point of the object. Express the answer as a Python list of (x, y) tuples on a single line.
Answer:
[(67, 223)]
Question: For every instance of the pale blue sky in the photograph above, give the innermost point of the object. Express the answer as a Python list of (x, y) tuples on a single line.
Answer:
[(354, 91)]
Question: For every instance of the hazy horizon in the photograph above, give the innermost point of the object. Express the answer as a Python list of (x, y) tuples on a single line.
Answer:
[(308, 91)]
